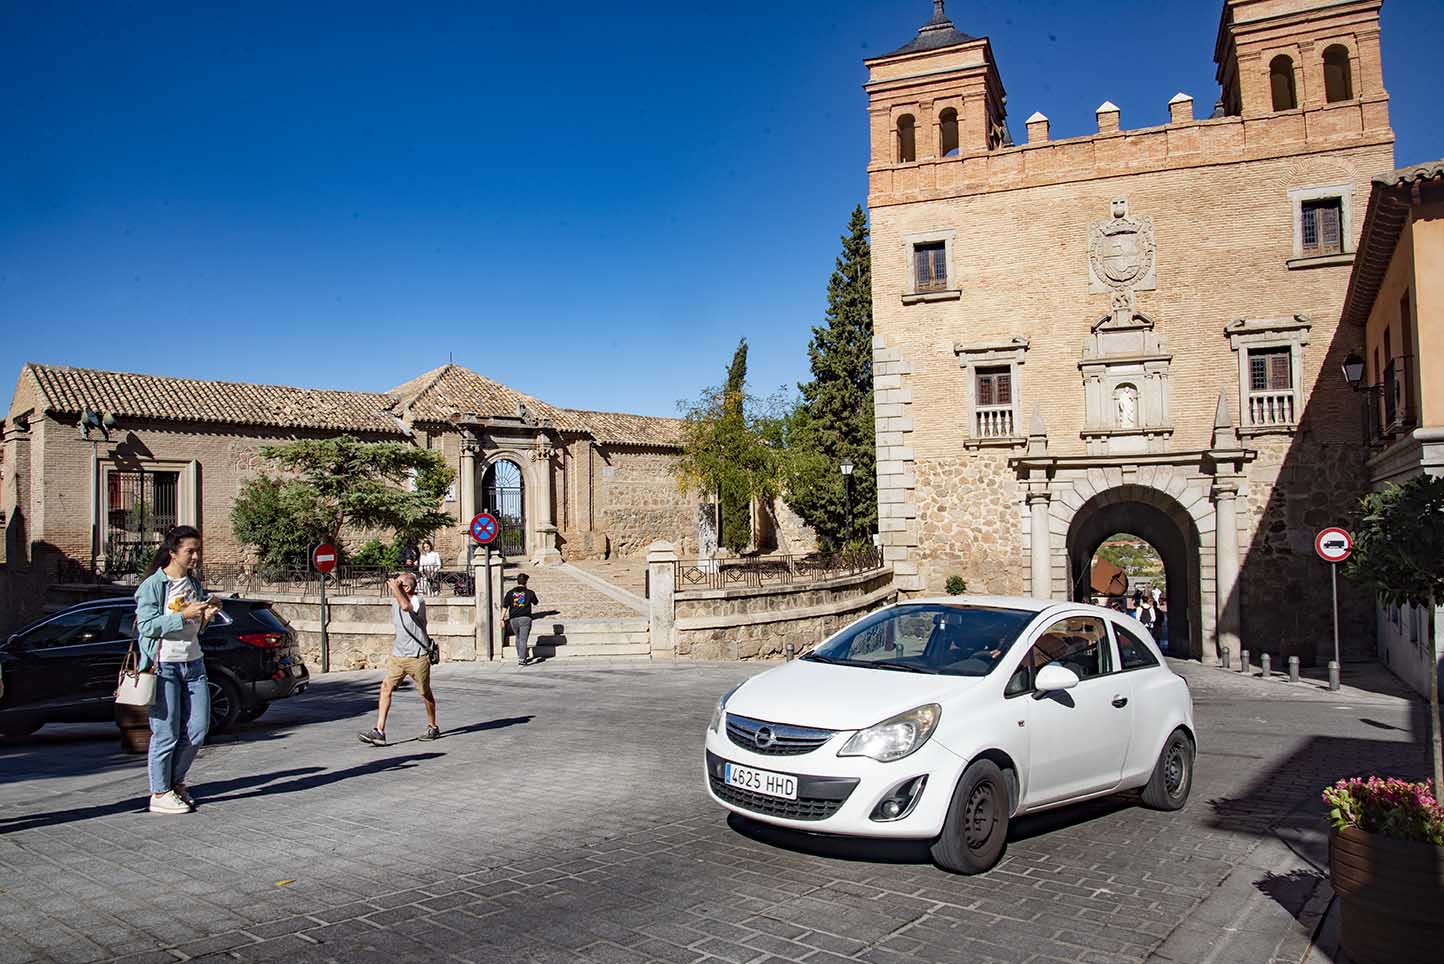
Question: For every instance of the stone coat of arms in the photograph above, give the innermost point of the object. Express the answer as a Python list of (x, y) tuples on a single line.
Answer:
[(1121, 252)]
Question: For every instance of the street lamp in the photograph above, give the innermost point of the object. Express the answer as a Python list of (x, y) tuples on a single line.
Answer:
[(846, 467), (1354, 371)]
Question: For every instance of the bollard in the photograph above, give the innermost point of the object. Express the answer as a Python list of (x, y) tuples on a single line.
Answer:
[(1333, 674), (1226, 664), (1293, 669), (1265, 662), (1243, 666), (788, 650)]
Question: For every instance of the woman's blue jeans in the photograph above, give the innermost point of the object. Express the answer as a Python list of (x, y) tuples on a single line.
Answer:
[(179, 719)]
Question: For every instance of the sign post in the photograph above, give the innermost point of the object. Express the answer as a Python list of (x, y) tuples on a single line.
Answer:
[(323, 560), (484, 530), (1334, 545)]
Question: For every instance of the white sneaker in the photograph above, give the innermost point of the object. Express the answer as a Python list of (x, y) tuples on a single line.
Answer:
[(168, 802)]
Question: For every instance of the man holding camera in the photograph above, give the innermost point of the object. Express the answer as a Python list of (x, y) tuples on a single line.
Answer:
[(411, 655)]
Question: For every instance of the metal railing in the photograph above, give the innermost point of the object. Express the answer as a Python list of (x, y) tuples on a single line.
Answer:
[(774, 570), (343, 581)]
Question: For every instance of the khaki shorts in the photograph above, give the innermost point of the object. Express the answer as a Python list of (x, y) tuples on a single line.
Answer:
[(417, 667)]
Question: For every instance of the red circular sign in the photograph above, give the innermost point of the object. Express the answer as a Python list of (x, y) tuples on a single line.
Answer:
[(323, 557), (484, 528), (1333, 544)]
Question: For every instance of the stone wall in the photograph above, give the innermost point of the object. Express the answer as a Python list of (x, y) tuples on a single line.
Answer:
[(757, 623), (360, 632), (967, 511), (638, 502)]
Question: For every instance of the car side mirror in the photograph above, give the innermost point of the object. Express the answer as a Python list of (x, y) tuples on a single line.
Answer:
[(1053, 677)]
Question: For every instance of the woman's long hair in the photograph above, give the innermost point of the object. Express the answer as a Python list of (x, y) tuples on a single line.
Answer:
[(168, 547)]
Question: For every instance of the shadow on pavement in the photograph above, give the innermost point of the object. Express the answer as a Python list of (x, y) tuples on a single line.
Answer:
[(1293, 890), (206, 793)]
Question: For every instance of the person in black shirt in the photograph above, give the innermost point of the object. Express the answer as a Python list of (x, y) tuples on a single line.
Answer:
[(518, 616)]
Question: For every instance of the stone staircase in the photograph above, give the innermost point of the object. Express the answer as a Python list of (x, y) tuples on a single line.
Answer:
[(580, 615)]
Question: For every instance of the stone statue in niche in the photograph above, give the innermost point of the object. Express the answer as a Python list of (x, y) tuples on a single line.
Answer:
[(1125, 398)]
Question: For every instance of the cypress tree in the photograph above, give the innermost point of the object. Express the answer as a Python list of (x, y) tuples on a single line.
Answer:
[(834, 420)]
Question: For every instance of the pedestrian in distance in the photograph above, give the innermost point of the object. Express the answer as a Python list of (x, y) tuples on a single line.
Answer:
[(171, 609), (519, 602), (411, 655), (429, 564)]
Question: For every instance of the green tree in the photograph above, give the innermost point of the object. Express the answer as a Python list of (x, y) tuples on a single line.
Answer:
[(730, 451), (1399, 555), (834, 421), (332, 484)]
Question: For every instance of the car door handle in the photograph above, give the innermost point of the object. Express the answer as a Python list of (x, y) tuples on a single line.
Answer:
[(1120, 701)]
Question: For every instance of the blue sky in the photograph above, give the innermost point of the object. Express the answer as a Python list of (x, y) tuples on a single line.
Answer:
[(589, 202)]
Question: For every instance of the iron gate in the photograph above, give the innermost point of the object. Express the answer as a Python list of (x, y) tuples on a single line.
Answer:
[(140, 508), (504, 496)]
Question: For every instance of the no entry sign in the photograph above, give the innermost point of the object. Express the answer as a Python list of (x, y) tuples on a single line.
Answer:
[(323, 557), (1333, 544), (484, 528)]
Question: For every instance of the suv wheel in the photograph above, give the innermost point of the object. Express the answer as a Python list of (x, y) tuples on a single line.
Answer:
[(225, 704), (253, 712)]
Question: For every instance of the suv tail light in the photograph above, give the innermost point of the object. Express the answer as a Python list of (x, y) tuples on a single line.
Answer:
[(264, 640)]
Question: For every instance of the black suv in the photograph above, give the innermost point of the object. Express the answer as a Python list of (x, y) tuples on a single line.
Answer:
[(63, 668)]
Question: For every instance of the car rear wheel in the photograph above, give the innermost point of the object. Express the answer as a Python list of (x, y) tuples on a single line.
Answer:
[(254, 712), (225, 704), (976, 828), (1172, 776)]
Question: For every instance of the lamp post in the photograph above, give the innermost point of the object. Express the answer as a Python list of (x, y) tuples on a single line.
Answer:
[(92, 421), (846, 467)]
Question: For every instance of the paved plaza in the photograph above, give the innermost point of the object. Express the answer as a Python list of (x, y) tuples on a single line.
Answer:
[(563, 818)]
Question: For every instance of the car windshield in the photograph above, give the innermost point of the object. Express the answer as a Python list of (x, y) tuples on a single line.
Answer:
[(928, 638)]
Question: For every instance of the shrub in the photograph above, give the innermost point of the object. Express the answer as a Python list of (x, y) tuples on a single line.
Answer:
[(375, 554), (956, 585), (1392, 808)]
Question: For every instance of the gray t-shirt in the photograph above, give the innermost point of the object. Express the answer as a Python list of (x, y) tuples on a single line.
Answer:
[(411, 638)]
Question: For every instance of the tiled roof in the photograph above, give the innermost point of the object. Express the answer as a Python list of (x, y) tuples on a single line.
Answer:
[(431, 397), (130, 395), (1389, 203), (434, 396), (936, 34), (619, 428)]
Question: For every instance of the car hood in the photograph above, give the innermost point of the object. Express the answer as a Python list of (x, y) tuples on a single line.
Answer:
[(805, 693)]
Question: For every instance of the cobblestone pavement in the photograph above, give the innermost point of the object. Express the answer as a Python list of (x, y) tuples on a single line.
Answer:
[(562, 818)]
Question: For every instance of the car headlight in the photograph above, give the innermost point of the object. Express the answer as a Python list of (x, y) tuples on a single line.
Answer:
[(716, 725), (895, 738)]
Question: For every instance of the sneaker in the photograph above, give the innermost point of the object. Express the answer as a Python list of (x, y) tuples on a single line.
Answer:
[(168, 802), (375, 738), (432, 733), (182, 791)]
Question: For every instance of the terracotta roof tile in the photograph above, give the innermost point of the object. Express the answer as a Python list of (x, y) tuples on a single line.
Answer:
[(129, 395), (620, 428)]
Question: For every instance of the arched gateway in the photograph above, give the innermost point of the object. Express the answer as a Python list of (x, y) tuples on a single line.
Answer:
[(1191, 506)]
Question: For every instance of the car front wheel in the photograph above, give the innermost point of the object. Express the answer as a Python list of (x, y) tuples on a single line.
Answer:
[(976, 828), (1172, 776)]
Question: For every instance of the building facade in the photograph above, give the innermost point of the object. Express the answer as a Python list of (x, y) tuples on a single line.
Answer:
[(164, 451), (1394, 312), (1131, 331)]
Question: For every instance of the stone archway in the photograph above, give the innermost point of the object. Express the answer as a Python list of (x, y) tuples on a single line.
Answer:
[(1159, 520), (503, 494)]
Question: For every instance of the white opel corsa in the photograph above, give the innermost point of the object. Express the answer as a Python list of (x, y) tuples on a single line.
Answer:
[(942, 719)]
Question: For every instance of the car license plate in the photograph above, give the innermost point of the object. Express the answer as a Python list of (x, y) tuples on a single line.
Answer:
[(760, 781)]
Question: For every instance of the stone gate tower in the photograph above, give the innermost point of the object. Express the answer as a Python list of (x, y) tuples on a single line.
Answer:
[(1133, 330)]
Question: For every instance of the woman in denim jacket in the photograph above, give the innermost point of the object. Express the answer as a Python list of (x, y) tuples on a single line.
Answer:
[(171, 609)]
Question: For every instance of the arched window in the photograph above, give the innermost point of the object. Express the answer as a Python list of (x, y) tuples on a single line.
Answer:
[(907, 139), (948, 133), (1338, 78), (1281, 82)]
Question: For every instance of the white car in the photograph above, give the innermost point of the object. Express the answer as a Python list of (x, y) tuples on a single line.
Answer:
[(942, 719)]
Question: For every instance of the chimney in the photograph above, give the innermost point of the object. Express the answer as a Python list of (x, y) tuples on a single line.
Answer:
[(1180, 109), (1107, 117), (1037, 128)]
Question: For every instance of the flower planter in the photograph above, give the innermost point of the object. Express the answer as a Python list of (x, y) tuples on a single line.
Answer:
[(1391, 897)]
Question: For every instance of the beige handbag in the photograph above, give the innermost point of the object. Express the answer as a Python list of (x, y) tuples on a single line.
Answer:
[(134, 688)]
